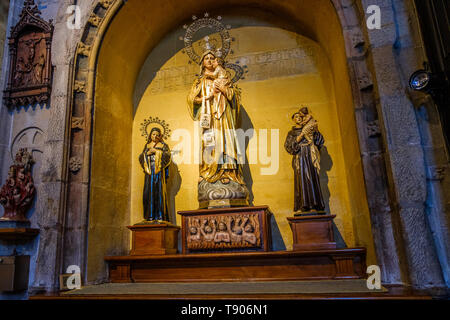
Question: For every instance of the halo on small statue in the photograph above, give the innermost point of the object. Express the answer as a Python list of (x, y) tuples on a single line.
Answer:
[(220, 51), (151, 122)]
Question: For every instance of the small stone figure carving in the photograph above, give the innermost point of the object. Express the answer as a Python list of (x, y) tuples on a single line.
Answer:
[(194, 234), (304, 142), (155, 160), (194, 231), (39, 69), (17, 194), (222, 234), (236, 229), (30, 72), (248, 232), (21, 70), (207, 231)]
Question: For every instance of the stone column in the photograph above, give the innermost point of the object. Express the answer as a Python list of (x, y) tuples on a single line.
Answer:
[(373, 153), (405, 156), (50, 213)]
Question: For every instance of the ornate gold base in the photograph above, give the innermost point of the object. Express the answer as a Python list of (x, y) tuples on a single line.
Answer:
[(223, 203)]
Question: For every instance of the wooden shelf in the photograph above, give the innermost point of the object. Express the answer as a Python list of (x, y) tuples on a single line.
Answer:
[(13, 234), (249, 266)]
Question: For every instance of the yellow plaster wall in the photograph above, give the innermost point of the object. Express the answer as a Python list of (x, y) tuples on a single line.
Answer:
[(109, 212), (269, 104)]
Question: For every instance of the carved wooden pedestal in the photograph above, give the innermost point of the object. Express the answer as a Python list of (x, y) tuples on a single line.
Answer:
[(312, 232), (157, 238), (226, 230)]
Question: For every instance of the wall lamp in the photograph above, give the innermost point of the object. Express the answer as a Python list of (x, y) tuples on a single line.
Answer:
[(420, 80), (425, 81)]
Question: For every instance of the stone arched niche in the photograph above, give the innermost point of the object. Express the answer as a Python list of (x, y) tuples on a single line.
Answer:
[(115, 45)]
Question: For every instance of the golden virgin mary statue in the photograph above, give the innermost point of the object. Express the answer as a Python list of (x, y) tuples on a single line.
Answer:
[(214, 101)]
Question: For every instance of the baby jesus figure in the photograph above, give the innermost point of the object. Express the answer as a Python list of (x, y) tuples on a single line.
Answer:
[(221, 80), (309, 126), (220, 74)]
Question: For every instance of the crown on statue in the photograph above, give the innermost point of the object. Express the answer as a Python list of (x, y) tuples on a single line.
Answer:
[(210, 46), (220, 49)]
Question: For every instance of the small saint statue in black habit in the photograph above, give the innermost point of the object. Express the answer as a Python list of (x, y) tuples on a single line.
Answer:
[(304, 142)]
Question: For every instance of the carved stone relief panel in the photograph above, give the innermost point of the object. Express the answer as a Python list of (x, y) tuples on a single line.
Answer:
[(75, 164), (221, 232), (18, 192), (31, 139), (436, 173), (29, 79), (77, 123), (373, 128)]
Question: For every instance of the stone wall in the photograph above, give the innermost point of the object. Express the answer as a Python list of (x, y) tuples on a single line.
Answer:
[(396, 53), (50, 122), (4, 8)]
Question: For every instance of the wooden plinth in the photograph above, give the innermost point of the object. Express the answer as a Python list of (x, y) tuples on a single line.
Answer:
[(312, 232), (154, 239), (259, 218), (18, 234), (248, 266)]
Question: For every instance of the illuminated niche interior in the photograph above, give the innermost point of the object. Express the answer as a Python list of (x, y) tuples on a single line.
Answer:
[(142, 72)]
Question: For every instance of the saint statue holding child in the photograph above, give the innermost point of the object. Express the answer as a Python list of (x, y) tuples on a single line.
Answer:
[(304, 142)]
